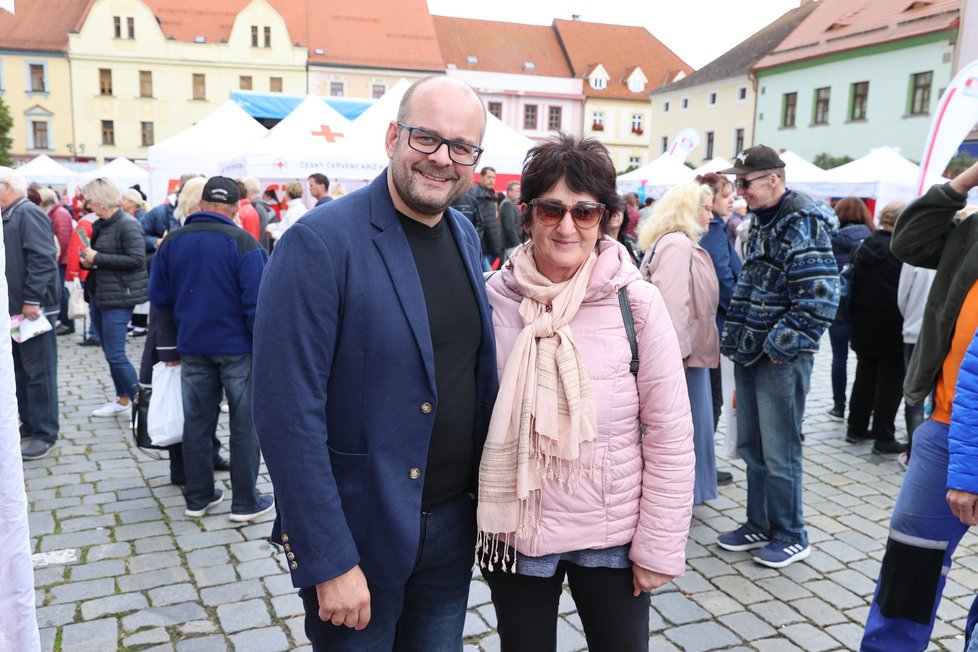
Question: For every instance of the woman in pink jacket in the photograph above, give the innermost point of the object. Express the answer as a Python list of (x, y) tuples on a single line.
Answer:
[(587, 471), (683, 271)]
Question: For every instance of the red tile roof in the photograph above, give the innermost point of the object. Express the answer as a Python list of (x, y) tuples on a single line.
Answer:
[(500, 47), (619, 48), (42, 25), (840, 25)]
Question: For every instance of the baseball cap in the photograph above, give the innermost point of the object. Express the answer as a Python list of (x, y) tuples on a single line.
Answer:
[(752, 159), (221, 190)]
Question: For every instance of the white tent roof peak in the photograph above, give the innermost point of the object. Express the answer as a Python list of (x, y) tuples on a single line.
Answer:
[(224, 128), (123, 172), (799, 170), (45, 170), (313, 118)]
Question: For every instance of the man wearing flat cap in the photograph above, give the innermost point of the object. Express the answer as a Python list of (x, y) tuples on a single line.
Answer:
[(207, 275), (785, 298)]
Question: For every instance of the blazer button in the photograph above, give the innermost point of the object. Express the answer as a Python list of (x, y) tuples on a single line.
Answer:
[(288, 548), (425, 407), (294, 566), (290, 556), (285, 538), (414, 473)]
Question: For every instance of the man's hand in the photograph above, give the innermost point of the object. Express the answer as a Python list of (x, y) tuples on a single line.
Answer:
[(964, 504), (644, 580), (31, 312), (345, 600)]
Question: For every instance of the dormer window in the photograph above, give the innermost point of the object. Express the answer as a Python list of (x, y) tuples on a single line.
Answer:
[(472, 60), (636, 85), (598, 83), (529, 66)]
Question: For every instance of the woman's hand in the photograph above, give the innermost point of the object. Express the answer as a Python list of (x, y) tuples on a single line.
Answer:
[(644, 580), (88, 257)]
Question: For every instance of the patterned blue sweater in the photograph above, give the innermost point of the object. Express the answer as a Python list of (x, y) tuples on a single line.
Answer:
[(788, 290)]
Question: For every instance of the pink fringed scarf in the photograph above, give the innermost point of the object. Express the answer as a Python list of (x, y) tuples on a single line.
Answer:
[(544, 412)]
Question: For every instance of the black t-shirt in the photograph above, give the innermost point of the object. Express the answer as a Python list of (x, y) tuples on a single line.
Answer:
[(456, 334)]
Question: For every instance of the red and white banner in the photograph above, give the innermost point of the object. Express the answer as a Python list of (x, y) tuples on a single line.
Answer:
[(955, 117)]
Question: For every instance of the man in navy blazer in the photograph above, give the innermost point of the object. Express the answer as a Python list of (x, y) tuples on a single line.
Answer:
[(374, 379)]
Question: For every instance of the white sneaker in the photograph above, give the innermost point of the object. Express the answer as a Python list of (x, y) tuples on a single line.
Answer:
[(111, 409)]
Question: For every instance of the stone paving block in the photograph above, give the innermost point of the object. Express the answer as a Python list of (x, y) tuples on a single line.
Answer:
[(147, 637), (99, 499), (48, 635), (775, 613), (834, 594), (153, 561), (841, 551), (225, 593), (173, 594), (56, 614), (85, 510), (488, 614), (194, 627), (163, 616), (140, 530), (662, 644), (74, 540), (296, 630), (134, 493), (490, 643), (742, 589), (776, 644), (692, 582), (108, 551), (203, 644), (139, 515), (50, 575), (566, 603), (783, 587), (698, 637), (569, 639), (86, 523), (251, 550), (711, 567), (40, 523), (747, 626), (809, 638), (54, 503), (154, 544), (848, 634), (822, 562), (854, 581), (479, 593), (76, 591), (818, 611), (151, 579), (282, 585), (267, 639), (92, 636), (678, 609), (213, 575), (207, 539), (258, 568), (94, 570), (656, 622), (474, 625), (215, 556), (247, 614), (287, 605), (717, 603)]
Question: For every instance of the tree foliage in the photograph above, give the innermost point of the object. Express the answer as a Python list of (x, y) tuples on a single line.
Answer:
[(826, 161), (6, 125), (961, 162)]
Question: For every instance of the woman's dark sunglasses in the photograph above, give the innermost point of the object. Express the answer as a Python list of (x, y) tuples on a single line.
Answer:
[(550, 212)]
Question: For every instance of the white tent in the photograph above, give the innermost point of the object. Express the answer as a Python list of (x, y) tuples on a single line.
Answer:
[(656, 177), (201, 148), (798, 170), (45, 171), (301, 144), (713, 165), (123, 172)]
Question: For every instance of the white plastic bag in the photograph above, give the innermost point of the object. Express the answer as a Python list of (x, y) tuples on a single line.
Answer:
[(77, 307), (164, 423), (729, 411)]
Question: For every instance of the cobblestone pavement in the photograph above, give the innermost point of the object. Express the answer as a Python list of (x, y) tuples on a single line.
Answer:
[(118, 566)]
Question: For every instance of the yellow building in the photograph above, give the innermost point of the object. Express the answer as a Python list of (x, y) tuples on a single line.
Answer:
[(142, 71), (34, 76)]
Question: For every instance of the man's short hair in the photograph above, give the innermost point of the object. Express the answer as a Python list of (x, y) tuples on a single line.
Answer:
[(512, 184), (321, 179), (15, 180), (487, 169)]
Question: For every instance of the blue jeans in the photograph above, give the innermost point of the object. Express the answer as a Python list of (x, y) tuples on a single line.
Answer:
[(923, 535), (110, 323), (425, 613), (63, 313), (770, 405), (202, 378), (36, 379), (839, 337)]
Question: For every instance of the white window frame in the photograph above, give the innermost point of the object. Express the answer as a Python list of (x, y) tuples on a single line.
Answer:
[(636, 85), (598, 83), (27, 72), (666, 105), (597, 118), (38, 114), (638, 122), (712, 98), (684, 104), (741, 90), (635, 160)]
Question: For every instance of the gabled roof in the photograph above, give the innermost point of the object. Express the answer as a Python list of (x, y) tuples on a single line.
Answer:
[(184, 20), (739, 60), (617, 48), (840, 25), (42, 25), (500, 47)]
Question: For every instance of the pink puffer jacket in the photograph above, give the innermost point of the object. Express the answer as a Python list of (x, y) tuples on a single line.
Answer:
[(642, 488)]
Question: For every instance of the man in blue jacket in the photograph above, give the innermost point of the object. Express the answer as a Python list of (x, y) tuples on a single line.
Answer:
[(374, 380), (207, 274)]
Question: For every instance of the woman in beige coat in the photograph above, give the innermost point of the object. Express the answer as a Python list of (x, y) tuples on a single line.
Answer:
[(684, 274)]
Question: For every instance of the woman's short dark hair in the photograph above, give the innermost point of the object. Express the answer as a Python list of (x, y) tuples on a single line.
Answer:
[(852, 210), (583, 163), (716, 182)]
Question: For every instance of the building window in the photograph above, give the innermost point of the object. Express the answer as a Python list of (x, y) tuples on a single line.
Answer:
[(275, 84), (104, 81), (684, 103), (789, 102), (117, 26), (145, 83), (638, 123), (738, 141), (711, 99), (496, 109), (530, 116), (597, 121), (741, 95), (37, 82), (665, 106), (920, 92), (634, 161), (336, 89), (665, 144), (254, 36), (244, 82), (268, 36), (146, 133), (821, 116), (377, 91), (200, 88), (108, 132), (598, 83), (39, 134), (131, 28), (710, 139), (636, 85), (553, 118), (859, 93)]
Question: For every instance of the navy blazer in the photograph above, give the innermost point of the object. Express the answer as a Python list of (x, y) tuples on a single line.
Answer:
[(344, 386)]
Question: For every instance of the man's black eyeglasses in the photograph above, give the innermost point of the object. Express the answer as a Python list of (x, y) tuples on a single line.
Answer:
[(428, 142), (744, 184), (584, 213)]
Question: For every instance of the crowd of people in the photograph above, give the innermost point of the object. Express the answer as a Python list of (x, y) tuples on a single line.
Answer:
[(429, 367)]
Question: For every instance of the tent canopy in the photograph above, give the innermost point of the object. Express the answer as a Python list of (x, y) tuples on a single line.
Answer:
[(45, 170), (713, 165), (121, 171), (656, 177)]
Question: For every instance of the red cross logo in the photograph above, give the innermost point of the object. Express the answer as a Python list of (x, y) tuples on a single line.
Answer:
[(280, 164), (327, 133)]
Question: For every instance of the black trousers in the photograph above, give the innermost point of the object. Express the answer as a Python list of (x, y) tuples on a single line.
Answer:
[(526, 609), (877, 391)]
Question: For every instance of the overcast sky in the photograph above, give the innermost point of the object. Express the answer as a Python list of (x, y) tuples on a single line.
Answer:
[(697, 30)]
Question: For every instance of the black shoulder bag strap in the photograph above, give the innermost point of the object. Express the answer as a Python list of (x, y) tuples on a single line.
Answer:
[(626, 316)]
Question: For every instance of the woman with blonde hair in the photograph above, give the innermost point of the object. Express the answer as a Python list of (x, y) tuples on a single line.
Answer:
[(683, 271), (294, 210), (189, 199)]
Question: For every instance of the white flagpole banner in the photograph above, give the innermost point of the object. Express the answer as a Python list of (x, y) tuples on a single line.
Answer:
[(18, 618), (955, 117)]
